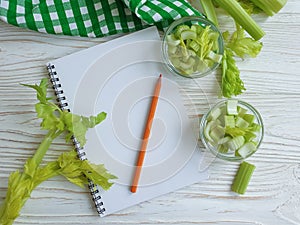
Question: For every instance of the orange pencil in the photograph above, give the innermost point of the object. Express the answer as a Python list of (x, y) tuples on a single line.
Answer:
[(147, 131)]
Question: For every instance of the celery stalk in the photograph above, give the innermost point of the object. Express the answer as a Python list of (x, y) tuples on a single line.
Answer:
[(242, 177), (209, 11), (268, 6), (260, 4), (241, 17)]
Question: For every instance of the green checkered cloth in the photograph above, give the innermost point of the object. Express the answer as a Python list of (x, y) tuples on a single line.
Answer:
[(92, 18)]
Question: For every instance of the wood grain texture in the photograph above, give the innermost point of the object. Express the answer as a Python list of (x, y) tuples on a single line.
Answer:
[(272, 81)]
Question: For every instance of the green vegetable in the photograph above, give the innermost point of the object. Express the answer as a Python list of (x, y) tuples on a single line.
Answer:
[(193, 48), (241, 45), (233, 8), (231, 83), (242, 177), (56, 121), (270, 7), (238, 44), (250, 7), (238, 132), (232, 107), (209, 11)]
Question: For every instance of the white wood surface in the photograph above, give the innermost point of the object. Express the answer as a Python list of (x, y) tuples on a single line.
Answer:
[(273, 87)]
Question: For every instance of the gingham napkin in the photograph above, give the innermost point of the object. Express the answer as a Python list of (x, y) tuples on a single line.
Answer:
[(92, 18)]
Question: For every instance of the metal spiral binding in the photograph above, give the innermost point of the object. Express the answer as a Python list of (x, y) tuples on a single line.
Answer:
[(63, 104)]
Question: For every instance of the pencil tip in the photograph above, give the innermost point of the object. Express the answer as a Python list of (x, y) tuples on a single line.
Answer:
[(133, 189)]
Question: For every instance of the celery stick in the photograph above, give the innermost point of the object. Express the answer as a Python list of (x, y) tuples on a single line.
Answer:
[(260, 4), (270, 7), (209, 11), (242, 177), (241, 17)]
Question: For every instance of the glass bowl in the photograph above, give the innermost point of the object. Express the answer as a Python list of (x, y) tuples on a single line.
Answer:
[(256, 127), (189, 54)]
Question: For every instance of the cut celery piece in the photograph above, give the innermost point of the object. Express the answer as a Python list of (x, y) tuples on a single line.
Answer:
[(241, 123), (232, 107), (235, 131), (214, 57), (249, 136), (209, 126), (180, 29), (202, 66), (188, 34), (172, 49), (222, 149), (241, 111), (255, 127), (247, 149), (217, 133), (197, 28), (235, 143), (209, 62), (194, 46), (249, 118), (172, 41), (224, 140), (188, 64), (242, 177), (229, 121), (215, 113), (191, 53)]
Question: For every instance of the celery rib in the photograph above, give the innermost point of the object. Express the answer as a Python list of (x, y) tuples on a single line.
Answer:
[(241, 17), (209, 11), (242, 177), (270, 7)]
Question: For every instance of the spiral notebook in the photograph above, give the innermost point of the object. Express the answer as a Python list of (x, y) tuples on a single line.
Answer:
[(118, 77)]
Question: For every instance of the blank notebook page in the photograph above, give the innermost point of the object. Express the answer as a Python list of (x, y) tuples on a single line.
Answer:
[(119, 77)]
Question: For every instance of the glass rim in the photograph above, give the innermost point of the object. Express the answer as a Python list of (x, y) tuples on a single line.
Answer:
[(173, 25), (223, 156)]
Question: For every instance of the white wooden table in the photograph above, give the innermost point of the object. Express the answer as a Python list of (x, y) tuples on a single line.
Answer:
[(273, 87)]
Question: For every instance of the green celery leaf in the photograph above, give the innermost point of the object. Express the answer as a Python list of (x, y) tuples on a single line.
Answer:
[(41, 90), (241, 45), (78, 125), (98, 174), (231, 82), (204, 41), (77, 171), (47, 112)]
